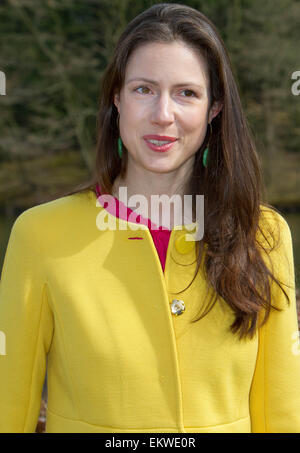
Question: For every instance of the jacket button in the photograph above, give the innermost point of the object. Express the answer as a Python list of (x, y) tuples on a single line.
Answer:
[(183, 246), (177, 307)]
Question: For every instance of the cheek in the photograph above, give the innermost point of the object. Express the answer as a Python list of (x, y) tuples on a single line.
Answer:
[(134, 120), (194, 131), (133, 109), (131, 128), (194, 124)]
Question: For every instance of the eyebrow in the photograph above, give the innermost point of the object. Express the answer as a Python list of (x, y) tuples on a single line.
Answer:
[(153, 82)]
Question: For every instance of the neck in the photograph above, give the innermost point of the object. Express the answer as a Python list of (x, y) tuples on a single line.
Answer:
[(153, 184)]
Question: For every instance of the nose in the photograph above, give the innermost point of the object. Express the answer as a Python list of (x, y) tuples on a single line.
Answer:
[(163, 110)]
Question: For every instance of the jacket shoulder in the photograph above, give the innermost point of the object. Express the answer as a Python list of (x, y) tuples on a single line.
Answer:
[(56, 218), (269, 214), (55, 209), (273, 227)]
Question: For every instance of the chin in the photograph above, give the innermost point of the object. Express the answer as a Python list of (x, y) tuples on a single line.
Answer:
[(155, 168)]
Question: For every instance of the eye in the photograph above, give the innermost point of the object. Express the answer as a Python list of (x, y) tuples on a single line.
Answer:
[(190, 91), (136, 89)]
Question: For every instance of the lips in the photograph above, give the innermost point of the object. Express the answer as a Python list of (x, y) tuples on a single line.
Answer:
[(160, 148), (160, 137)]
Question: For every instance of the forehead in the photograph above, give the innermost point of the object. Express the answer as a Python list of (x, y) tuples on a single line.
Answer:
[(163, 61)]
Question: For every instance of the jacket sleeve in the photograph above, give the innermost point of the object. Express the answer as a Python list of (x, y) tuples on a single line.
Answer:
[(275, 390), (26, 328)]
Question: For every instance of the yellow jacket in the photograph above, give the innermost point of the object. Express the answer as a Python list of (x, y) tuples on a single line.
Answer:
[(97, 306)]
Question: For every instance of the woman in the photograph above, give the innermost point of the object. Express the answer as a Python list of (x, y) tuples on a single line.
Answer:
[(161, 333)]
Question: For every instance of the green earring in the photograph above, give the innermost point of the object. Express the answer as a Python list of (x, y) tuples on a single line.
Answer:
[(205, 154), (206, 151), (120, 148)]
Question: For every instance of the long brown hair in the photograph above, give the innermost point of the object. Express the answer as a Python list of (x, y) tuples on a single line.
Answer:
[(232, 181)]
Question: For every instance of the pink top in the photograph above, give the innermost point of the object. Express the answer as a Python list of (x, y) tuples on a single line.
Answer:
[(160, 236)]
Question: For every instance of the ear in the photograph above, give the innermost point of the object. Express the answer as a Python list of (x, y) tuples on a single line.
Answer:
[(117, 101), (215, 109)]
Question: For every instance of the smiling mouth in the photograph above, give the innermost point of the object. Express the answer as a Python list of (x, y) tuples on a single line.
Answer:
[(161, 139), (159, 145), (159, 142)]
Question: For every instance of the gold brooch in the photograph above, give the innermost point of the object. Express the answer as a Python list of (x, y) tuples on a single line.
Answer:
[(177, 307)]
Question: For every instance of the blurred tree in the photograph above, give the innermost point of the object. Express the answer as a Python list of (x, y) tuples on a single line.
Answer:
[(54, 52)]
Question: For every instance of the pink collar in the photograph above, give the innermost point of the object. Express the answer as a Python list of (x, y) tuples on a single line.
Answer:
[(123, 212)]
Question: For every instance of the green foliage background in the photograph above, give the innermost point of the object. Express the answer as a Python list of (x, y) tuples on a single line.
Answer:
[(54, 52)]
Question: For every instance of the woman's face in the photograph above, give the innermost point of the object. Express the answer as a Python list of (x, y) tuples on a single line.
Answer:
[(172, 102)]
